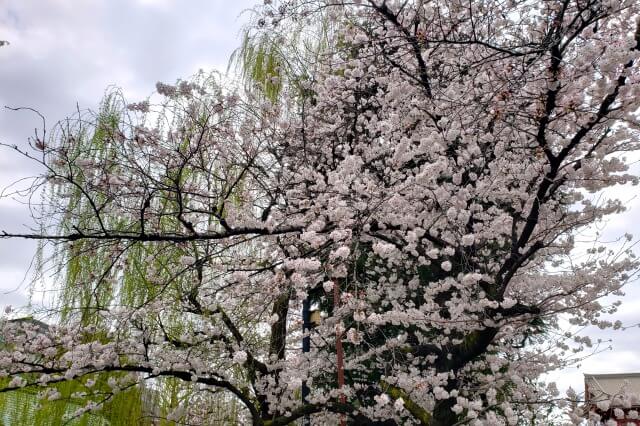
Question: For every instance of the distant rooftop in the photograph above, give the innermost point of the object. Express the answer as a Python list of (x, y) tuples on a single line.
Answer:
[(604, 386)]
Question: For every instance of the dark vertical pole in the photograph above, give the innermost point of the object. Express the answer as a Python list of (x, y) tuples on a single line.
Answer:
[(306, 347)]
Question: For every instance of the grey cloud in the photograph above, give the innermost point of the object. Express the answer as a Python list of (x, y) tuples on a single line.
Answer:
[(15, 254), (65, 52), (14, 289)]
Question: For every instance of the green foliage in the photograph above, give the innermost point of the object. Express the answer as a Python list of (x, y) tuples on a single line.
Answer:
[(272, 61), (26, 407), (86, 267)]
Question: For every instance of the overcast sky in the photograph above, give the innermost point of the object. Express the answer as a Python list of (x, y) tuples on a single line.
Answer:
[(64, 53)]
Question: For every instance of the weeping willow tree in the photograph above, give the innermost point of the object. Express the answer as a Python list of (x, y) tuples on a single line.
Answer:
[(282, 57), (97, 276), (81, 272), (93, 277)]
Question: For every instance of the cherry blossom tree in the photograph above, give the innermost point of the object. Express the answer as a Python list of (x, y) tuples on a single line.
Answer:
[(422, 186)]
